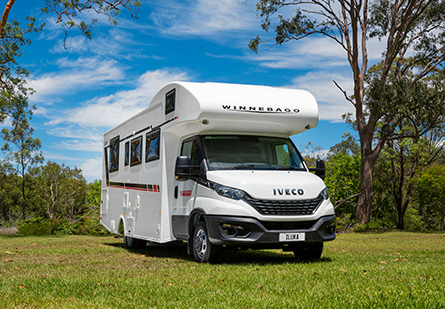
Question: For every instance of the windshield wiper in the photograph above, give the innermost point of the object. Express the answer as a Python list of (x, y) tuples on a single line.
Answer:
[(242, 166), (288, 168)]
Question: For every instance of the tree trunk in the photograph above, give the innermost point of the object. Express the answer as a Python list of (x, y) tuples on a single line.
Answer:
[(363, 212), (400, 222)]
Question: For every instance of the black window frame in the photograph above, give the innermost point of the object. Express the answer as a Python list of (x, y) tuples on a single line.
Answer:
[(132, 151), (114, 154), (127, 153), (148, 144), (170, 101)]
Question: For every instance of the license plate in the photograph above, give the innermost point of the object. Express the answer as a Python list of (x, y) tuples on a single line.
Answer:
[(292, 236)]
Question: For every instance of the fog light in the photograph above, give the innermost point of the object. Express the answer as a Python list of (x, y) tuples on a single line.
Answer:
[(330, 228), (229, 230)]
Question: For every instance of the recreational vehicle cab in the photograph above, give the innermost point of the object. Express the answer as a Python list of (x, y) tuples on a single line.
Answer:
[(212, 164)]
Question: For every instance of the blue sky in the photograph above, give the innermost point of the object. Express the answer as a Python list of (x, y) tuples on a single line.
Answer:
[(95, 84)]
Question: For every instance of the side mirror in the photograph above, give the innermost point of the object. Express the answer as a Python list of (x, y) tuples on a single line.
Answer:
[(320, 169), (184, 170)]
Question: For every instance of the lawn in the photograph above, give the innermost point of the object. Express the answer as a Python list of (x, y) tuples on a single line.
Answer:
[(375, 270)]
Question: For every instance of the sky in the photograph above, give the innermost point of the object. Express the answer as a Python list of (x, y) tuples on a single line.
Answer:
[(93, 85)]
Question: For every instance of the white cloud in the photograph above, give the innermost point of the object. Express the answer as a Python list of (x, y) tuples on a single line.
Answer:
[(204, 17), (81, 73), (331, 101), (92, 168), (111, 110), (83, 145), (50, 156), (117, 43)]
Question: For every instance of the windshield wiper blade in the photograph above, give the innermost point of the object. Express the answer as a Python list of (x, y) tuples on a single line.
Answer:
[(238, 167), (290, 168)]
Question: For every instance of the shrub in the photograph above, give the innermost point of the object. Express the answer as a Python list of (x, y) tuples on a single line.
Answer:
[(35, 226), (89, 224)]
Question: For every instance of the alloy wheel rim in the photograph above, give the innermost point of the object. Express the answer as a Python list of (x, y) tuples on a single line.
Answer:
[(200, 244)]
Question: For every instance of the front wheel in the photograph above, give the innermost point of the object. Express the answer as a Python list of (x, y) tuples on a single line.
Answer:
[(203, 250), (309, 251)]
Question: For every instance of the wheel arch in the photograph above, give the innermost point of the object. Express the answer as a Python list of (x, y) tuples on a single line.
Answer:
[(121, 228), (196, 216)]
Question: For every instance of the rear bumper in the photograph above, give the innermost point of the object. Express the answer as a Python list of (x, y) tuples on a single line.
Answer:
[(250, 232)]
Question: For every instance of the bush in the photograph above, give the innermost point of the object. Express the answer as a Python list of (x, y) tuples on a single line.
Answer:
[(35, 226), (375, 225), (89, 224), (43, 226), (344, 222)]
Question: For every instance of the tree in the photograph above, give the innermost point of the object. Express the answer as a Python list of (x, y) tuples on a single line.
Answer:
[(431, 195), (347, 146), (21, 148), (407, 26), (412, 130), (62, 189), (343, 181)]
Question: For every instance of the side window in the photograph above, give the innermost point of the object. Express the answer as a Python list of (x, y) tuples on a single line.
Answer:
[(282, 153), (136, 151), (152, 140), (170, 101), (127, 154), (190, 149), (114, 154), (194, 155)]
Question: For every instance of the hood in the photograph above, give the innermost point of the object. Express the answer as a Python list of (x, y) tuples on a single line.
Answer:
[(271, 185)]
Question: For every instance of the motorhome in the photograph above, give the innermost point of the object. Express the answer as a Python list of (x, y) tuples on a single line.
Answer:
[(213, 165)]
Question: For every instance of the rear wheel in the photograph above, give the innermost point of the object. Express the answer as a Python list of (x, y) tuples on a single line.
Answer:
[(203, 250), (309, 251), (133, 243)]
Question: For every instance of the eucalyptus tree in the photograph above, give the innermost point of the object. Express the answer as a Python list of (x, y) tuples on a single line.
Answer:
[(408, 27), (62, 189), (21, 149)]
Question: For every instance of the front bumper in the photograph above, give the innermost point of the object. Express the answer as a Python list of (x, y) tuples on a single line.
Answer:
[(250, 232)]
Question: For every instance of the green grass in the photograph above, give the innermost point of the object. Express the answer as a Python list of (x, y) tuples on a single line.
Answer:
[(387, 270)]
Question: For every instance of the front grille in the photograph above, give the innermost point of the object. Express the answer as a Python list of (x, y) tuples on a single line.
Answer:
[(284, 207)]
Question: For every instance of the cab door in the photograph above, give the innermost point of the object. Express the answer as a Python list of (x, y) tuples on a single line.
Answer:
[(185, 191)]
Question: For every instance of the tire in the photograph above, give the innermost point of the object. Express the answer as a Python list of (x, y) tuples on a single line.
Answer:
[(203, 250), (310, 251), (133, 243)]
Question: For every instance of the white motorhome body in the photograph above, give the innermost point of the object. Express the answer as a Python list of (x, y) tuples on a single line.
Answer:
[(212, 164)]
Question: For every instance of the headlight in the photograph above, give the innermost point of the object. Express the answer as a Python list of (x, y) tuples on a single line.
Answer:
[(227, 191), (325, 193)]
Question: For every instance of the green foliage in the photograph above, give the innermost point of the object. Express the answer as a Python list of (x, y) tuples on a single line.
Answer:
[(35, 226), (344, 222), (343, 181), (288, 28), (407, 106), (311, 154), (347, 146), (70, 12), (21, 148), (89, 224), (431, 196), (63, 190)]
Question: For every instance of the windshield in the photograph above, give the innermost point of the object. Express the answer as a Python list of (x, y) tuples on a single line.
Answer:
[(229, 152)]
